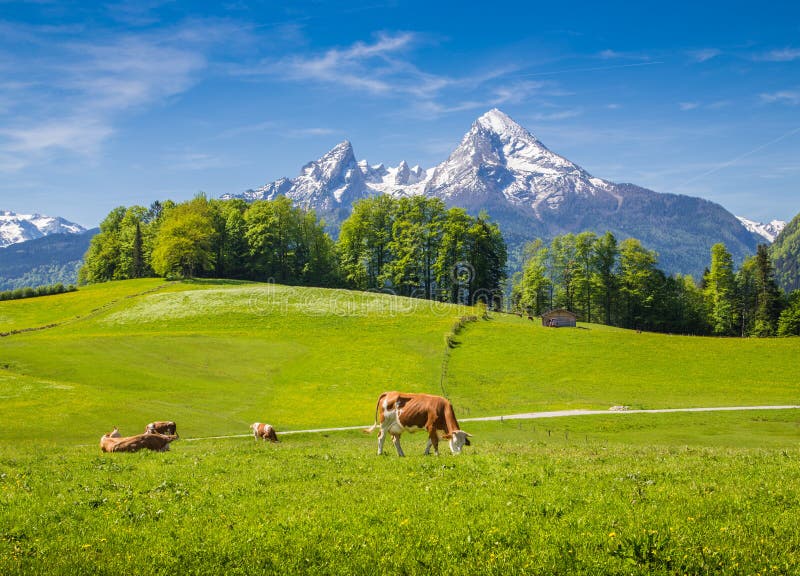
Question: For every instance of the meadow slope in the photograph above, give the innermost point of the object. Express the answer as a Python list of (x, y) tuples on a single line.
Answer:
[(611, 494), (216, 356)]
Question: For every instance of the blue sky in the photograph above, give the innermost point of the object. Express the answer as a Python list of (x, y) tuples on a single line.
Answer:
[(112, 104)]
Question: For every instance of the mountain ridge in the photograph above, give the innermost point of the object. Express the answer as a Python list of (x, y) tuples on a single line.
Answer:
[(45, 260), (529, 190), (16, 228)]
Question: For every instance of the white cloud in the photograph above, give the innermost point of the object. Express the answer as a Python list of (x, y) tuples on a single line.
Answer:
[(556, 116), (781, 96), (81, 135), (684, 106), (705, 54), (384, 68), (69, 94), (609, 54), (373, 67), (305, 132), (130, 72), (779, 55)]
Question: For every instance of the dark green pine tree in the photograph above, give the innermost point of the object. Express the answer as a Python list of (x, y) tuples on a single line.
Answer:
[(768, 296)]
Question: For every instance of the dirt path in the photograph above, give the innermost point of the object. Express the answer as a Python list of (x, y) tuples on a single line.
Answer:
[(532, 415), (560, 413)]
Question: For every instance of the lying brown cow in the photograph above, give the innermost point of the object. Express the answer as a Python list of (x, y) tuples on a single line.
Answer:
[(397, 412), (161, 427), (113, 442), (264, 431)]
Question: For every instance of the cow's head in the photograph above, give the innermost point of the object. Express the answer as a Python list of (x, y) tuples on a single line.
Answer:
[(458, 440)]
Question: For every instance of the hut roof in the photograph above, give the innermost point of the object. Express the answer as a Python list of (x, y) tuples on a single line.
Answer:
[(559, 312)]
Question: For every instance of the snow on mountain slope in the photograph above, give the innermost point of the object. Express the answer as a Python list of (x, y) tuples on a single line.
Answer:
[(768, 231), (529, 190), (337, 180), (498, 159), (15, 228)]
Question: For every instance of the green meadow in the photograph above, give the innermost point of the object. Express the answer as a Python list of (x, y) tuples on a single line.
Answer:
[(673, 493)]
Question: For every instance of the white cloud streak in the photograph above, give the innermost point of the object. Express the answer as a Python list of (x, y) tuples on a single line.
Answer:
[(779, 55), (781, 97), (705, 54), (88, 86), (383, 68), (311, 132), (373, 67)]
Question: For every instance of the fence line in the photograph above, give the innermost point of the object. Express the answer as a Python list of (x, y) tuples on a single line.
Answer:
[(528, 416)]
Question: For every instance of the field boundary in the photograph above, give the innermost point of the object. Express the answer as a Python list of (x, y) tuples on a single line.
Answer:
[(79, 318), (529, 416)]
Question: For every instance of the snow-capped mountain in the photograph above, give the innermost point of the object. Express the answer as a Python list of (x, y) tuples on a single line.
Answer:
[(15, 228), (532, 192), (337, 180), (498, 160), (767, 231)]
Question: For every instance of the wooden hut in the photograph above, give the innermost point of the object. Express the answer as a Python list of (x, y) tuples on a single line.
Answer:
[(559, 318)]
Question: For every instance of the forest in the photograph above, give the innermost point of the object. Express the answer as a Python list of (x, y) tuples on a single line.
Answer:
[(618, 283), (408, 246), (417, 247)]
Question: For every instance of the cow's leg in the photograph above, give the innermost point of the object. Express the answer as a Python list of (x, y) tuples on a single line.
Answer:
[(396, 440), (381, 438), (433, 440)]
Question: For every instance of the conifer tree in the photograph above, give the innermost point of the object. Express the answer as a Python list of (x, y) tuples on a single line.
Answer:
[(719, 290), (768, 296)]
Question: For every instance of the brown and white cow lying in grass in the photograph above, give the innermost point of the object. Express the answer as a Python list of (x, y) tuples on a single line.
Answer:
[(161, 427), (397, 412), (113, 442), (264, 431)]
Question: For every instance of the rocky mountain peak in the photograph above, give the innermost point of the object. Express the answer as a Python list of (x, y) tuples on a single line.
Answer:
[(15, 228), (501, 124), (501, 167)]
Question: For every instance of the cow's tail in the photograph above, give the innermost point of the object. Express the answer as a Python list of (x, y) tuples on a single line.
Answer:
[(375, 421)]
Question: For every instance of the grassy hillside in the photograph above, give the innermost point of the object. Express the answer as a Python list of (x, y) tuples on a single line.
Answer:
[(212, 356), (510, 362), (216, 356), (609, 494)]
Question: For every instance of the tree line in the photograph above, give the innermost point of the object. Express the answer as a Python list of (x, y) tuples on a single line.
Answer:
[(409, 246), (33, 292), (618, 283), (420, 248)]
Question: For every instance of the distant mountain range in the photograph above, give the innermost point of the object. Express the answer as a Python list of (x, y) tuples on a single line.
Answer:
[(530, 191), (47, 260), (498, 167), (15, 228)]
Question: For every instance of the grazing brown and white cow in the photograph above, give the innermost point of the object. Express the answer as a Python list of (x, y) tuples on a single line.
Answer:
[(264, 431), (161, 427), (397, 412), (113, 442)]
